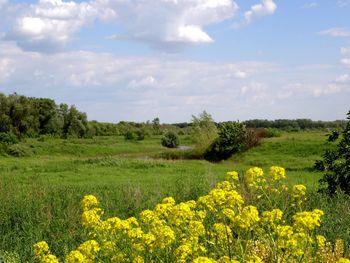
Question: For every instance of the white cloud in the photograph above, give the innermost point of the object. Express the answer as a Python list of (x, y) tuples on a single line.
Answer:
[(345, 50), (5, 68), (346, 62), (49, 24), (148, 81), (266, 7), (240, 74), (327, 89), (111, 88), (177, 22), (192, 34), (345, 78), (3, 2), (336, 32), (310, 5), (343, 3)]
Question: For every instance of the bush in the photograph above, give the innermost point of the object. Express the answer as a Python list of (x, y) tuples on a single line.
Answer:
[(273, 132), (18, 150), (8, 138), (129, 136), (170, 140), (336, 163), (253, 138), (203, 130), (231, 140)]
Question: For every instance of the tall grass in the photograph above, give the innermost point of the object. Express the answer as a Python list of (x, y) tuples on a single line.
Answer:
[(40, 194)]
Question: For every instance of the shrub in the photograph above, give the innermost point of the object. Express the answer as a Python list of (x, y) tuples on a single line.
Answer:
[(231, 140), (18, 150), (8, 138), (336, 163), (273, 132), (129, 136), (250, 218), (170, 140), (253, 138), (203, 130)]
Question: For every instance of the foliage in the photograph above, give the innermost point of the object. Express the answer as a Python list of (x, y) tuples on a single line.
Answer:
[(26, 116), (8, 257), (336, 163), (273, 132), (203, 131), (250, 218), (130, 135), (156, 126), (8, 138), (138, 134), (253, 138), (18, 150), (231, 140), (170, 140), (286, 124)]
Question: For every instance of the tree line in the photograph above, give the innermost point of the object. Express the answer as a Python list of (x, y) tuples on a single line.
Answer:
[(28, 116), (284, 124), (25, 116)]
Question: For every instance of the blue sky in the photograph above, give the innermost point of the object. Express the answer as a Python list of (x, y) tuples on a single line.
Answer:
[(135, 60)]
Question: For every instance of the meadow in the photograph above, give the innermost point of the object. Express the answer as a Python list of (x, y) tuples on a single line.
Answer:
[(40, 193)]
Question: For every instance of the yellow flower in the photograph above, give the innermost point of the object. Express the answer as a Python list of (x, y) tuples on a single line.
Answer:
[(183, 252), (91, 218), (180, 213), (277, 173), (232, 176), (49, 259), (307, 220), (41, 248), (89, 249), (204, 260), (343, 260), (254, 259), (88, 202), (222, 233), (226, 259), (168, 200), (196, 228), (138, 259), (76, 256), (272, 217), (248, 218), (321, 241), (254, 178), (298, 191)]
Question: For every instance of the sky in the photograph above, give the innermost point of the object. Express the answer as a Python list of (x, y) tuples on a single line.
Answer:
[(135, 60)]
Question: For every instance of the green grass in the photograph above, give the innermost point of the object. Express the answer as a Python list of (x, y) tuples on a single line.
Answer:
[(40, 194)]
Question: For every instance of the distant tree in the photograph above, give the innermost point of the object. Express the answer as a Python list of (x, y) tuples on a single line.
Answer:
[(170, 140), (156, 126), (203, 130), (46, 112), (336, 163), (231, 139)]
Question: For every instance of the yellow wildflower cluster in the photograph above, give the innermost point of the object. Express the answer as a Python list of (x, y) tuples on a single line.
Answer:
[(249, 222), (42, 253)]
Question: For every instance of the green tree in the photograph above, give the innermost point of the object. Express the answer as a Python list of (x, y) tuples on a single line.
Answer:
[(170, 140), (156, 126), (203, 130), (231, 140), (336, 162)]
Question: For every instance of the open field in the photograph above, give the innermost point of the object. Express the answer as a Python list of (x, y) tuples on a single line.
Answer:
[(40, 194)]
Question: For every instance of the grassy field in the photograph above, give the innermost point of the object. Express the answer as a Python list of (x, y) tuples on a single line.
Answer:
[(40, 194)]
